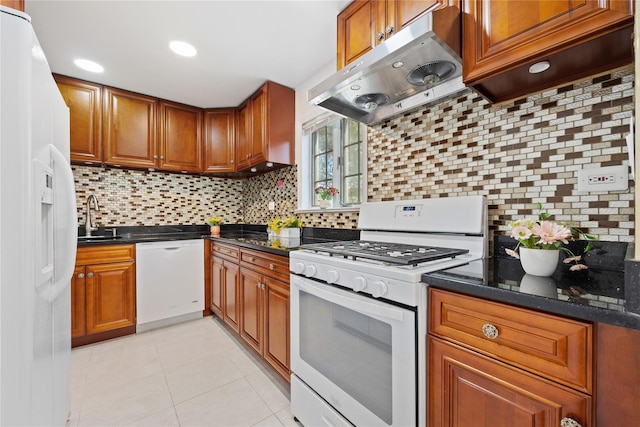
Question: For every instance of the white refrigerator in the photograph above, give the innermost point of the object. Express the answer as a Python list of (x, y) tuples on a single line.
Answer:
[(38, 229)]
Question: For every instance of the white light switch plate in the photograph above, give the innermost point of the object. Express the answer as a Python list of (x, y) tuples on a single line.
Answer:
[(609, 178)]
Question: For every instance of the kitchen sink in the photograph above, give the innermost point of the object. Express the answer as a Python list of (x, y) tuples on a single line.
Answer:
[(97, 238)]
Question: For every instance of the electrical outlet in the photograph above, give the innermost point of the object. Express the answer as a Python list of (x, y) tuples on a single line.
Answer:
[(609, 178), (272, 206)]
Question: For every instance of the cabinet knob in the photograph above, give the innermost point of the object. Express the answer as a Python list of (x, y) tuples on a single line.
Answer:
[(490, 331), (569, 422), (250, 154), (155, 156), (379, 35), (389, 29), (161, 157), (89, 274), (259, 285), (252, 259), (221, 267), (81, 276), (232, 161), (272, 266)]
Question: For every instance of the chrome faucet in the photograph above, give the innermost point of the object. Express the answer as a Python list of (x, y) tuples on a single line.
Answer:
[(88, 226)]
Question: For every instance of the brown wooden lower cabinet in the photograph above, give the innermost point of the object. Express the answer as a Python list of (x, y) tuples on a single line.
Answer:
[(251, 295), (469, 389), (617, 376), (492, 364), (103, 294)]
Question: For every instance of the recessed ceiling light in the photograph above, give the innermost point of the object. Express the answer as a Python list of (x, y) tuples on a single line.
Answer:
[(87, 65), (182, 48), (539, 67)]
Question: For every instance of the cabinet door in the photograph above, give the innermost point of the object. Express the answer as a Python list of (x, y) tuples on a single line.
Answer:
[(258, 127), (502, 38), (466, 389), (251, 312), (130, 134), (78, 313), (243, 140), (231, 295), (401, 13), (110, 296), (14, 4), (180, 137), (359, 30), (217, 286), (276, 325), (219, 141), (85, 108)]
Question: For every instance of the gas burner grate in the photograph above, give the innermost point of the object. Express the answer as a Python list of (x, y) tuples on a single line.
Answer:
[(392, 253)]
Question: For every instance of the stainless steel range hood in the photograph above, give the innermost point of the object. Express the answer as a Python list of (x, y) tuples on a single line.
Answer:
[(418, 65)]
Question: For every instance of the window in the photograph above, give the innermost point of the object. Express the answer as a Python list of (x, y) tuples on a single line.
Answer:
[(333, 154)]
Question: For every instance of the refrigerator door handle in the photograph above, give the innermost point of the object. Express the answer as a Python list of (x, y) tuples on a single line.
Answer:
[(66, 242)]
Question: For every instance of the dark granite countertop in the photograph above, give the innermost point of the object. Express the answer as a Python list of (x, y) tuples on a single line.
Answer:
[(596, 294), (251, 236)]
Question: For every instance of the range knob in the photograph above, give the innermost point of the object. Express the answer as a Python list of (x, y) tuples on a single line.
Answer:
[(298, 267), (359, 284), (332, 276), (378, 289), (310, 271)]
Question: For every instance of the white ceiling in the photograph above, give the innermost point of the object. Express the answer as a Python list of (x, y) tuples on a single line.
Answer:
[(240, 44)]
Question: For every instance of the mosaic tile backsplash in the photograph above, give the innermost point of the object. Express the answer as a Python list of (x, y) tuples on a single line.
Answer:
[(516, 154)]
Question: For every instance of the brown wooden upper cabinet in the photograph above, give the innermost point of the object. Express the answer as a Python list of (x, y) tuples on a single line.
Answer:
[(366, 23), (265, 128), (578, 38), (180, 137), (130, 132), (219, 140), (84, 100), (14, 4)]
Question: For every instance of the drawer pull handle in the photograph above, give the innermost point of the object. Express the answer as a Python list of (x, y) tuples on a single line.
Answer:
[(490, 331), (569, 422), (272, 266)]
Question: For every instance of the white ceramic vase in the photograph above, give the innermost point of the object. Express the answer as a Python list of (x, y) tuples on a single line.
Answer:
[(289, 233), (536, 285), (324, 204), (539, 262)]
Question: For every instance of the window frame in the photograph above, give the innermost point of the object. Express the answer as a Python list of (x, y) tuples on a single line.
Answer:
[(306, 179)]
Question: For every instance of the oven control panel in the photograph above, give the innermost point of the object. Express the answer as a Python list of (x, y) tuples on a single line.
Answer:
[(408, 211), (358, 281)]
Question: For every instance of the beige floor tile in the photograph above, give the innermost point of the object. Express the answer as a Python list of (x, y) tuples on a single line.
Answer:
[(234, 404), (243, 361), (192, 379), (165, 418), (286, 417), (123, 405), (271, 394), (192, 374), (272, 421)]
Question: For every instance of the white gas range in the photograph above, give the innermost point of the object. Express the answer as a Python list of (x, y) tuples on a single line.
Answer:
[(358, 310)]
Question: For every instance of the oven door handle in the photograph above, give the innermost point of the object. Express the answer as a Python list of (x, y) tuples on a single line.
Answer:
[(375, 309)]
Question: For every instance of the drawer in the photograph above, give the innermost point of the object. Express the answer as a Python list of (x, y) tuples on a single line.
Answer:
[(225, 251), (105, 254), (551, 346), (270, 265)]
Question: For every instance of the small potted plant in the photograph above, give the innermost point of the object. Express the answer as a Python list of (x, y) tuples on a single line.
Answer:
[(214, 225), (540, 242), (287, 228), (326, 195)]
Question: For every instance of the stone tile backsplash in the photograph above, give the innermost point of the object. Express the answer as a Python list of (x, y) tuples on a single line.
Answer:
[(130, 197), (516, 154)]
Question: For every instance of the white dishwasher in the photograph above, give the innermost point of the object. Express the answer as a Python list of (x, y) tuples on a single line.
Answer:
[(169, 282)]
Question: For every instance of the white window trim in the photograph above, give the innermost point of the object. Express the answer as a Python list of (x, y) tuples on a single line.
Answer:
[(305, 201)]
